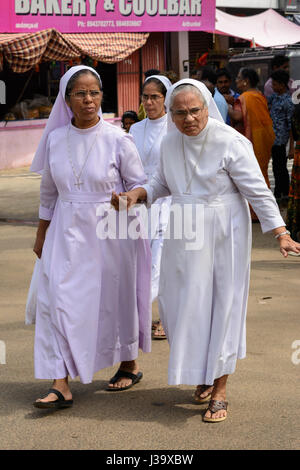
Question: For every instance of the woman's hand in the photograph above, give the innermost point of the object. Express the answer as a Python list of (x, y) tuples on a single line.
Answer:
[(288, 244), (40, 237), (38, 245), (127, 199)]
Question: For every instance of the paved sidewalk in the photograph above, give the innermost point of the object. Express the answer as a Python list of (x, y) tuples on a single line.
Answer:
[(263, 394)]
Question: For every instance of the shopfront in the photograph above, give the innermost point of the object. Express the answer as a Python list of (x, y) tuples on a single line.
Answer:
[(40, 40)]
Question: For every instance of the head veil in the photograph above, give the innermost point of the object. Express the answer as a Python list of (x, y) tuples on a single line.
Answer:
[(213, 111), (60, 116), (164, 80)]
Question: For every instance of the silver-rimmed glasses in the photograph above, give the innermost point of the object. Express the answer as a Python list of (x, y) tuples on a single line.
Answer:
[(82, 94), (181, 114)]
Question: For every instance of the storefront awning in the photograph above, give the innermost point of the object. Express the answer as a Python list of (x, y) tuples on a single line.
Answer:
[(267, 29), (24, 51)]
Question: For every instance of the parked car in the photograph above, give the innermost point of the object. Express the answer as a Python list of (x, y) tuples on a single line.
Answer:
[(260, 60)]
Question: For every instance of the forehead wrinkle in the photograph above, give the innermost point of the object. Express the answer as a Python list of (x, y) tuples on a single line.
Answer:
[(88, 80), (188, 101)]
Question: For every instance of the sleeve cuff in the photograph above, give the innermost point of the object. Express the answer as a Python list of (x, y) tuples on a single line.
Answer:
[(45, 214), (149, 192), (268, 226)]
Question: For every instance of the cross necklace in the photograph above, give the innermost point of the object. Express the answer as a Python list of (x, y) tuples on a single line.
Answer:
[(77, 176), (188, 183)]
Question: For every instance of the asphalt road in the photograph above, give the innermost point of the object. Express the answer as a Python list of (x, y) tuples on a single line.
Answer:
[(263, 393)]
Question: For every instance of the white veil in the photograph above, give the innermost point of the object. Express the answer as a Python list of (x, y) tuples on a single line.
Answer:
[(212, 107), (60, 116), (163, 79)]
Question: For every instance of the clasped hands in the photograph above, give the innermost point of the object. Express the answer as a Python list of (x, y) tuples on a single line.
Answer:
[(126, 200)]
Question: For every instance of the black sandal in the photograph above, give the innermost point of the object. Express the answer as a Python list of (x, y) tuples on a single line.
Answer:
[(122, 373), (61, 402)]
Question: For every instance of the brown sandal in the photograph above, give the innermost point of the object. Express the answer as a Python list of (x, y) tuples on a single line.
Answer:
[(155, 324), (202, 390), (213, 407), (159, 329)]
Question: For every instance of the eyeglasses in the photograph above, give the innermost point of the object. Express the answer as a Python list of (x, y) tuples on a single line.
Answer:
[(82, 94), (152, 97), (181, 115)]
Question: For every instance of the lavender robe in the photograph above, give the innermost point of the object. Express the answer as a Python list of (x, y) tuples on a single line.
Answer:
[(93, 302)]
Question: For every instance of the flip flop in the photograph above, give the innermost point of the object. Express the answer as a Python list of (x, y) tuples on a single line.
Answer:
[(213, 407), (122, 373), (158, 328), (155, 324), (61, 402), (202, 390)]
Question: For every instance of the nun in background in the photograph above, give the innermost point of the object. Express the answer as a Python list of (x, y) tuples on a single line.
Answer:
[(210, 171), (93, 294), (147, 135)]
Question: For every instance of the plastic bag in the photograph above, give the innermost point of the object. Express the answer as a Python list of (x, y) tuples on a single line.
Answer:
[(30, 311)]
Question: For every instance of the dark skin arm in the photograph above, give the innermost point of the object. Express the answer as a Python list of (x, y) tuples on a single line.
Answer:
[(40, 237)]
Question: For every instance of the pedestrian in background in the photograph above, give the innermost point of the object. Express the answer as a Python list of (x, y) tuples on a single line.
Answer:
[(293, 211), (252, 119), (279, 62), (129, 118), (281, 111), (224, 87)]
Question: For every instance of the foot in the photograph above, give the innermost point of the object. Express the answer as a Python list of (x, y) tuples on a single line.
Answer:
[(128, 366), (203, 394), (158, 331), (220, 413), (62, 386), (155, 324)]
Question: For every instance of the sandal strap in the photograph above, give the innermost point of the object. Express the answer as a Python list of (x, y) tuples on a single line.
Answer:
[(57, 393), (122, 373), (217, 405), (204, 388)]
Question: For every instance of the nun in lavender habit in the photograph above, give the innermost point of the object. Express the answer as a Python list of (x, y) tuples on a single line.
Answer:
[(93, 295)]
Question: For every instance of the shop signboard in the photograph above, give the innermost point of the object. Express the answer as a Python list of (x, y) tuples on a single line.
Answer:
[(82, 16)]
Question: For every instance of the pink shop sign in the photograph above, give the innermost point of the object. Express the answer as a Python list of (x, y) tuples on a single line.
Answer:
[(106, 16)]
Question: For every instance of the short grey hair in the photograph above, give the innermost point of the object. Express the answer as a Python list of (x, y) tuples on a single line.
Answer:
[(187, 88)]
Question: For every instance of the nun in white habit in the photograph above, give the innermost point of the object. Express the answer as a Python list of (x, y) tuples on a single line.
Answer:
[(93, 294), (147, 135), (211, 172)]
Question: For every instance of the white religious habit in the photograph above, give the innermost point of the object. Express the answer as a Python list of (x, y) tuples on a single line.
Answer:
[(147, 135), (204, 284)]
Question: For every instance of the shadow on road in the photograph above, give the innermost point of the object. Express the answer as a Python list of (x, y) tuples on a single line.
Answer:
[(171, 407)]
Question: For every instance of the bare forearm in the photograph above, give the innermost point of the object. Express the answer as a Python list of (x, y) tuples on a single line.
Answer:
[(40, 237), (42, 227)]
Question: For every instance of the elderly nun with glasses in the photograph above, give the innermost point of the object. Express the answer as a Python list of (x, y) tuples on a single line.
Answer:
[(93, 293), (211, 172)]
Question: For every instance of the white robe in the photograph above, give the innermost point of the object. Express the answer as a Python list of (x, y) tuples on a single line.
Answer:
[(93, 301), (203, 293), (147, 135)]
